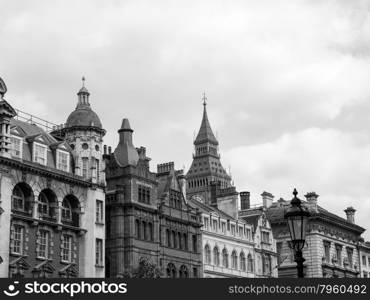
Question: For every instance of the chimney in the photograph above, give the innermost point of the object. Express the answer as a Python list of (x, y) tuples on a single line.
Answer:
[(214, 190), (350, 213), (267, 199), (312, 200), (166, 168), (245, 201), (109, 150)]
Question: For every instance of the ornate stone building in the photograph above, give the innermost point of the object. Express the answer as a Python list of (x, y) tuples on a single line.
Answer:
[(52, 217), (147, 214), (364, 249), (332, 242)]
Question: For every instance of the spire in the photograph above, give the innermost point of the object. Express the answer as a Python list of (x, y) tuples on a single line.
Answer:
[(126, 153), (83, 96), (205, 133)]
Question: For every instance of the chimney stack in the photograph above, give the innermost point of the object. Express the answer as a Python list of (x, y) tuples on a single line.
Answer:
[(312, 200), (182, 180), (166, 168), (350, 213), (267, 199), (245, 202)]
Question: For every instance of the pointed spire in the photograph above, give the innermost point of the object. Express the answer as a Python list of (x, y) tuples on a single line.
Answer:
[(205, 133)]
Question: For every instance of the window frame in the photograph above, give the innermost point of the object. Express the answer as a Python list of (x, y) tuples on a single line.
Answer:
[(69, 237), (20, 139), (59, 154), (45, 158), (20, 241)]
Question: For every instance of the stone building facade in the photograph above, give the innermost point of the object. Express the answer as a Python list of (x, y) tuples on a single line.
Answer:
[(331, 243), (364, 253), (48, 220), (147, 215)]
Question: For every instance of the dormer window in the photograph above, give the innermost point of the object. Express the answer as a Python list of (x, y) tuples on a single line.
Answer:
[(40, 153), (16, 146), (63, 160)]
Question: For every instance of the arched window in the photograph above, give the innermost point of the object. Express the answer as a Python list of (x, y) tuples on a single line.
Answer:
[(137, 229), (207, 254), (18, 198), (171, 270), (234, 260), (242, 261), (180, 240), (266, 264), (168, 237), (145, 234), (225, 258), (185, 236), (44, 206), (250, 263), (174, 242), (216, 256), (183, 272), (66, 210), (151, 233)]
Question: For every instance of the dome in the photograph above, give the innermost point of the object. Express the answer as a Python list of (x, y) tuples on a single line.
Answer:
[(84, 117)]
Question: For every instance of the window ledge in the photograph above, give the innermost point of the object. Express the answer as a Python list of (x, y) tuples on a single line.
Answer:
[(99, 223), (99, 266)]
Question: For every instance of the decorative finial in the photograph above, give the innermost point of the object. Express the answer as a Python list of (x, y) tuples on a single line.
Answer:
[(204, 99), (83, 81), (295, 193)]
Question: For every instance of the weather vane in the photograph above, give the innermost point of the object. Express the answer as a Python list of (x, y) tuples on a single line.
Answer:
[(204, 98), (83, 81)]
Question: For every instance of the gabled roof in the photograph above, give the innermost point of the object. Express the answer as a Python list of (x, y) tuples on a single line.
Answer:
[(205, 133)]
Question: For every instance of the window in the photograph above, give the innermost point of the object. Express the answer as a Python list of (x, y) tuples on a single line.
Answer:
[(185, 241), (144, 194), (99, 211), (180, 240), (18, 198), (338, 250), (183, 272), (250, 263), (66, 210), (145, 234), (266, 264), (39, 153), (327, 251), (151, 233), (43, 206), (364, 260), (174, 240), (18, 239), (85, 166), (225, 258), (17, 144), (195, 272), (44, 244), (223, 227), (279, 247), (207, 254), (168, 237), (67, 248), (368, 260), (206, 223), (240, 231), (63, 161), (234, 260), (171, 270), (97, 169), (195, 242), (350, 257), (137, 229), (248, 234), (233, 229), (242, 261), (214, 225), (265, 237), (99, 252), (216, 256), (175, 199)]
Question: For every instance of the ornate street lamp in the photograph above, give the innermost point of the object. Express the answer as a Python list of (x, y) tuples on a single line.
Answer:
[(297, 217)]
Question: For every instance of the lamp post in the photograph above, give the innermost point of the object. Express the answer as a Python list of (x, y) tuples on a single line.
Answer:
[(297, 217)]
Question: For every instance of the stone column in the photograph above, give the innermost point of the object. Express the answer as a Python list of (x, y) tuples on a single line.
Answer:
[(59, 210), (35, 204)]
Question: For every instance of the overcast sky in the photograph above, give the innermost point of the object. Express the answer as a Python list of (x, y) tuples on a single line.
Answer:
[(288, 83)]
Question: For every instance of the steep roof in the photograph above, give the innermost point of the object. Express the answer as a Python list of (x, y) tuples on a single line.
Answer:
[(205, 133)]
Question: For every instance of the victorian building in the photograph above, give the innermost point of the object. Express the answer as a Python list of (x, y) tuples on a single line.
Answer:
[(52, 194), (147, 215), (364, 253), (332, 242)]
